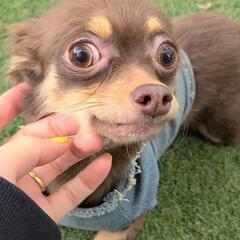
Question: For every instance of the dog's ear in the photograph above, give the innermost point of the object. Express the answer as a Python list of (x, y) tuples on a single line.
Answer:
[(24, 44)]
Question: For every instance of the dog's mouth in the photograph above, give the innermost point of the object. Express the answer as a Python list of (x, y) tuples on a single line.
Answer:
[(134, 127), (127, 132)]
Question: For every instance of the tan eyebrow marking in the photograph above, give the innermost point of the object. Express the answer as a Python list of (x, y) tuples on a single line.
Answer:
[(100, 26), (154, 25)]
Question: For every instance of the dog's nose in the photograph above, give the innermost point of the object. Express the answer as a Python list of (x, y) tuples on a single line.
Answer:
[(153, 100)]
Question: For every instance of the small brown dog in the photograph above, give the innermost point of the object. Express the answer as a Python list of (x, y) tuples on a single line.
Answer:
[(113, 65)]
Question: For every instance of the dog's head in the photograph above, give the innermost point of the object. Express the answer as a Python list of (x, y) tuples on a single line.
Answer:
[(111, 63)]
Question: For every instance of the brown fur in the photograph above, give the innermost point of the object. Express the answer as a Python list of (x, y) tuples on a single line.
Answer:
[(126, 234), (56, 88), (211, 41)]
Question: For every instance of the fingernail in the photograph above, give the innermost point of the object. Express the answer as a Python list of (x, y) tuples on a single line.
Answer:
[(66, 125), (87, 143), (108, 155), (61, 139)]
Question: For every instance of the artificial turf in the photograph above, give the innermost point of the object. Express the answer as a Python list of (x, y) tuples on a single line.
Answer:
[(199, 192)]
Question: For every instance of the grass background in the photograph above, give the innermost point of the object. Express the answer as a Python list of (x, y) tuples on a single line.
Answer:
[(199, 193)]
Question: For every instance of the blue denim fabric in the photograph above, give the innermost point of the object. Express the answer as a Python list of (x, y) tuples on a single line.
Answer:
[(138, 192)]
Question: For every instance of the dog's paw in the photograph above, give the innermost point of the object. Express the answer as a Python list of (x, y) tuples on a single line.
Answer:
[(105, 235)]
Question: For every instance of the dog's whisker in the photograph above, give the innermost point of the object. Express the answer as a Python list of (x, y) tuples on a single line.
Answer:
[(127, 150), (81, 109), (195, 110), (69, 107), (185, 128), (96, 94), (183, 135)]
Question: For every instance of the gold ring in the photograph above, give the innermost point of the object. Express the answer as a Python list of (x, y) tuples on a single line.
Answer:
[(38, 180)]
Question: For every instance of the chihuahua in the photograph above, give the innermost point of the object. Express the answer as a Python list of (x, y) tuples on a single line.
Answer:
[(126, 72)]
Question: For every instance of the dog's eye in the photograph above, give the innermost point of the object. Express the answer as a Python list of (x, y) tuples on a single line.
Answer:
[(84, 55), (167, 55)]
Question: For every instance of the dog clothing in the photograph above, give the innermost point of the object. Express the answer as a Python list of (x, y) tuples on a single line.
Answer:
[(137, 193)]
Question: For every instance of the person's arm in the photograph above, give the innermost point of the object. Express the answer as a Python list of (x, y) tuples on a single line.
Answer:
[(21, 218), (43, 148)]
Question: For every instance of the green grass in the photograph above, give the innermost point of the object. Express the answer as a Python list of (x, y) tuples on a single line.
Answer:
[(199, 193)]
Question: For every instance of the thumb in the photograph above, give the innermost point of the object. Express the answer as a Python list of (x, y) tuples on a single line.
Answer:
[(79, 188)]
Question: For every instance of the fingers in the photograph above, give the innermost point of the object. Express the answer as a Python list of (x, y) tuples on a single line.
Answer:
[(10, 103), (52, 126), (86, 145), (75, 191), (23, 154)]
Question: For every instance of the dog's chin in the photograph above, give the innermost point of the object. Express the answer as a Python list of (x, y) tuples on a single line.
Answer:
[(129, 132)]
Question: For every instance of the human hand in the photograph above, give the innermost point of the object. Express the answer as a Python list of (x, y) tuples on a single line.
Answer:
[(34, 147)]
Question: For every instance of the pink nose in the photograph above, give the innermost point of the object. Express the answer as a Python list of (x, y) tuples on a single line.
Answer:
[(152, 99)]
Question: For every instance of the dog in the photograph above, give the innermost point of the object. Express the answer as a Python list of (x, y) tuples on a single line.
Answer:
[(125, 71)]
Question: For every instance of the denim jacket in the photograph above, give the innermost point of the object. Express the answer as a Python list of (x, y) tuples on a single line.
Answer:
[(138, 192)]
